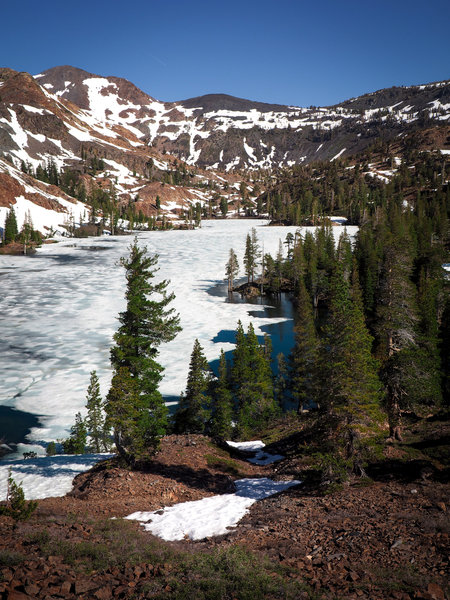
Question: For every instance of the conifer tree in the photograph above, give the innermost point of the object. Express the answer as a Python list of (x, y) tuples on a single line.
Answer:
[(251, 255), (281, 382), (240, 369), (256, 404), (11, 230), (95, 419), (232, 269), (26, 233), (349, 389), (76, 442), (404, 366), (303, 357), (146, 323), (127, 415), (192, 413), (222, 403), (248, 259)]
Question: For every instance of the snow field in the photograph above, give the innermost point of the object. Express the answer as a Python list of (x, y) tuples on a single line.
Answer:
[(210, 516)]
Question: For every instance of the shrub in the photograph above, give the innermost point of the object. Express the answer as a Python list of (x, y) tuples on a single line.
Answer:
[(16, 506)]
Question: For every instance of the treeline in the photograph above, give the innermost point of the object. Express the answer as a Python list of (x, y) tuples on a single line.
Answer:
[(301, 195), (371, 335), (27, 235)]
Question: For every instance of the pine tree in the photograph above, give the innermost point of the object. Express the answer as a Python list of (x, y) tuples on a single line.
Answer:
[(232, 269), (129, 418), (222, 403), (303, 357), (192, 413), (16, 506), (248, 259), (404, 370), (251, 255), (26, 233), (240, 369), (11, 230), (256, 404), (145, 324), (281, 383), (76, 442), (95, 419), (350, 389)]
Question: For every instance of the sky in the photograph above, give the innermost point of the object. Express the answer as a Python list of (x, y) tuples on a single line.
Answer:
[(291, 52)]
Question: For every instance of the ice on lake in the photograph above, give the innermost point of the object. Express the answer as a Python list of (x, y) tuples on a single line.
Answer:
[(59, 313)]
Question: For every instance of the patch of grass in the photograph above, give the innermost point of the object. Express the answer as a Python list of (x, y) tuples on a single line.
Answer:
[(217, 449), (229, 573), (40, 537), (402, 579), (232, 572), (9, 558), (120, 543), (226, 465), (92, 555), (333, 488)]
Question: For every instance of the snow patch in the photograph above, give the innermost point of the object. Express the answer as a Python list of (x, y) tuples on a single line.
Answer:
[(211, 516), (261, 457), (338, 154)]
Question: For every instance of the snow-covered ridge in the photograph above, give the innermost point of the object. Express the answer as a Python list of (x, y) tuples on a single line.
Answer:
[(160, 123)]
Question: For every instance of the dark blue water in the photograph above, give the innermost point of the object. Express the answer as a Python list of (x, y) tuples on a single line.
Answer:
[(281, 334), (15, 425)]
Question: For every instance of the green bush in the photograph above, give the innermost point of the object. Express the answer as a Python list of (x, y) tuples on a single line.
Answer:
[(16, 506)]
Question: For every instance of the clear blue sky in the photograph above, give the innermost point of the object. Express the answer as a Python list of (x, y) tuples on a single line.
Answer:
[(284, 51)]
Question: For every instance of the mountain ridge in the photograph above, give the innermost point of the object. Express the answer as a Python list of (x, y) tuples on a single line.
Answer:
[(203, 147)]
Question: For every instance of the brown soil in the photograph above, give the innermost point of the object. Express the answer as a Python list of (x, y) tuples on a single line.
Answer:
[(387, 538)]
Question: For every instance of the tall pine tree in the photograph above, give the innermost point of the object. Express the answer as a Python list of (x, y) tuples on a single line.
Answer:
[(95, 418), (11, 230), (146, 323), (222, 403), (193, 410), (303, 357), (349, 389)]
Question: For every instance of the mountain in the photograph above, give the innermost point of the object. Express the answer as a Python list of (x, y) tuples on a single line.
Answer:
[(229, 133), (165, 157), (40, 128)]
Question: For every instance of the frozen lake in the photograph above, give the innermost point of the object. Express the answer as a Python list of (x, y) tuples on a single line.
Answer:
[(59, 312)]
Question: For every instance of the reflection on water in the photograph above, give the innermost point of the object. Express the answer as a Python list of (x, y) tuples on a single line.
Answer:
[(281, 333)]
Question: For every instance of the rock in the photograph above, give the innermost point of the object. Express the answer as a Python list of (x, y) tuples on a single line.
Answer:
[(32, 590), (85, 585), (16, 595), (104, 593), (435, 592), (65, 588)]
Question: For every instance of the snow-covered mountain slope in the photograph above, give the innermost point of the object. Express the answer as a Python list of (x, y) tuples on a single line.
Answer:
[(167, 156), (227, 133), (38, 127), (50, 209)]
